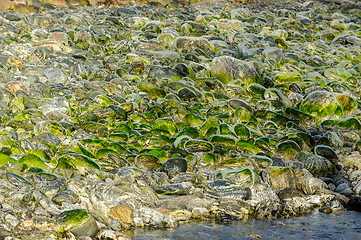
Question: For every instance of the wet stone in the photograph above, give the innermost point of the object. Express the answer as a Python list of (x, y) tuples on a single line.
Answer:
[(67, 196)]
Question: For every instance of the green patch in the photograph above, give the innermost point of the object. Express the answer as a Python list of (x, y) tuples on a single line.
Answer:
[(31, 160), (72, 218), (4, 159)]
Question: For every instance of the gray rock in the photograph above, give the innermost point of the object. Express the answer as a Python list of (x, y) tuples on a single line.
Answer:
[(155, 219), (228, 69), (51, 188), (274, 53), (106, 234), (55, 76), (67, 196), (177, 188)]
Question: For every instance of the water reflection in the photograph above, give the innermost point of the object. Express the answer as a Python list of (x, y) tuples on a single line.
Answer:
[(338, 225)]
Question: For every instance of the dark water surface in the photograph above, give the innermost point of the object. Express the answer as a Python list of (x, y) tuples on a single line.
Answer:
[(338, 225)]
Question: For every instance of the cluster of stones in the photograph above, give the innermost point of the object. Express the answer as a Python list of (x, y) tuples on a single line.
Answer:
[(115, 118)]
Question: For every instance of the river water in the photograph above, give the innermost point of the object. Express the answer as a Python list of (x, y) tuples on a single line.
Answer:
[(337, 225)]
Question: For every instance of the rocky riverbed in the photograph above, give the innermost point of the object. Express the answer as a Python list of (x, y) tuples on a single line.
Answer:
[(114, 118)]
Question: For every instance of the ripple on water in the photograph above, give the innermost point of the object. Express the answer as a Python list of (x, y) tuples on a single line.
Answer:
[(338, 225)]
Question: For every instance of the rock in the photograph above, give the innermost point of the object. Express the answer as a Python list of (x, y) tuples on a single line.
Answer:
[(269, 209), (110, 234), (353, 159), (189, 43), (17, 180), (327, 152), (313, 163), (228, 69), (326, 210), (177, 188), (221, 217), (67, 196), (273, 53), (51, 188), (122, 213), (321, 104), (289, 193), (155, 219), (279, 177), (78, 222), (146, 161), (224, 189), (244, 177), (178, 164)]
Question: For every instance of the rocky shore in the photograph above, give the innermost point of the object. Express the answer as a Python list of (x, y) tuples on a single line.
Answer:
[(153, 115)]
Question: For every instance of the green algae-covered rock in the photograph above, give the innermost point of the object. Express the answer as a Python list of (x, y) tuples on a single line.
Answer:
[(78, 222), (195, 146), (31, 160), (244, 177), (321, 104), (349, 104), (337, 73), (227, 69), (95, 127), (6, 141), (189, 43), (262, 161), (247, 146), (275, 95), (289, 144), (241, 131), (50, 126), (4, 159), (166, 124), (236, 103), (280, 177), (239, 162), (256, 90), (74, 162), (146, 161), (288, 77), (345, 124), (209, 127), (100, 101), (242, 115), (223, 140)]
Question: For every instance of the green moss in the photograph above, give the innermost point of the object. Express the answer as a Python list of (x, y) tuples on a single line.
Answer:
[(277, 171), (72, 218), (4, 159), (209, 158), (350, 123), (31, 160), (241, 144)]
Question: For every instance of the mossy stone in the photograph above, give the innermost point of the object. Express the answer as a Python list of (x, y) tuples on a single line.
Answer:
[(244, 177), (30, 160), (350, 123), (280, 177), (248, 146), (79, 163), (223, 140), (321, 104), (146, 161), (288, 77), (337, 73), (195, 145)]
